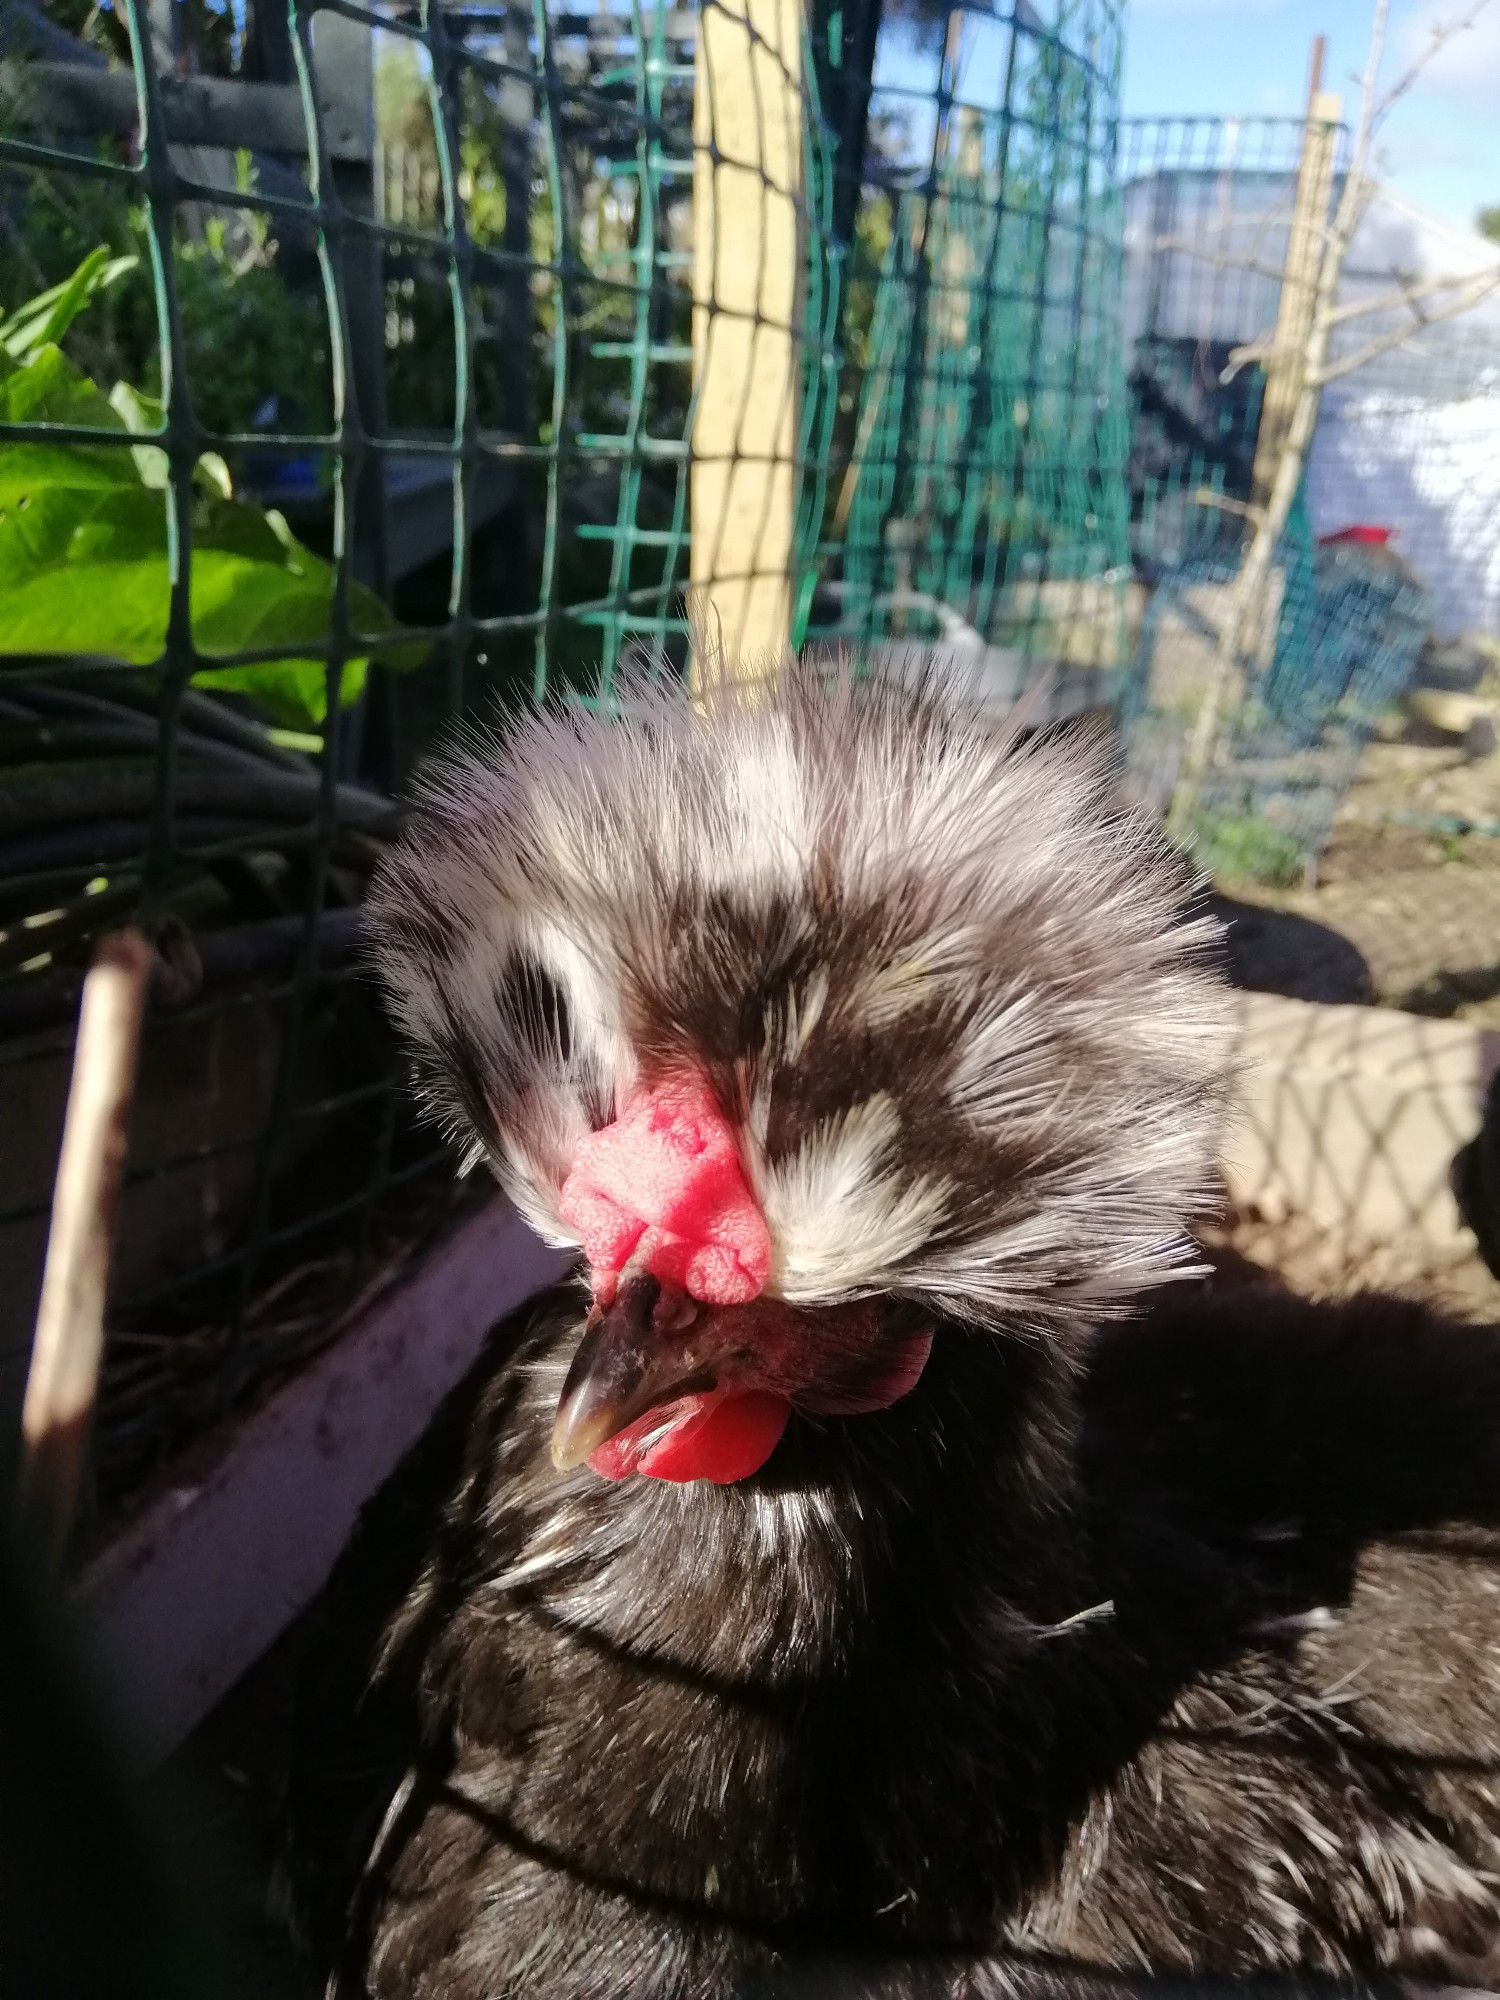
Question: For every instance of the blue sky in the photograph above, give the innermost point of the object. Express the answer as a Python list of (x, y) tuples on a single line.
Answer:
[(1442, 142)]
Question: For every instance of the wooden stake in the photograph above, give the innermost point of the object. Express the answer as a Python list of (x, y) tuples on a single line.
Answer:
[(66, 1352), (1299, 285), (748, 283)]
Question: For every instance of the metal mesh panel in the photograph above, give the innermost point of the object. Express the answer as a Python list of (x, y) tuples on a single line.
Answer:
[(1405, 441), (415, 292), (1207, 211), (983, 417), (1207, 219)]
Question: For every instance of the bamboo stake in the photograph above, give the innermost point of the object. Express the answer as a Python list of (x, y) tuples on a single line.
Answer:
[(1299, 278), (748, 280), (68, 1346)]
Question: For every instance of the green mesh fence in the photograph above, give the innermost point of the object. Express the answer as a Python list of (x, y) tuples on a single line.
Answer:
[(347, 390), (981, 499), (1208, 206), (1207, 212)]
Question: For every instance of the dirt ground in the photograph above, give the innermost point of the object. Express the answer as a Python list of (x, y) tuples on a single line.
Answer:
[(1401, 915), (1419, 906)]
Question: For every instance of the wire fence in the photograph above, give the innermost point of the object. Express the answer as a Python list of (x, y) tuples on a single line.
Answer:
[(1405, 442), (1392, 541), (364, 369), (977, 498)]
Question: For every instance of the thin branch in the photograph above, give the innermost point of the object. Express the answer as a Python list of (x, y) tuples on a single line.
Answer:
[(68, 1347), (1334, 371), (1411, 294), (1208, 496), (1355, 192), (1247, 597), (1440, 34), (1224, 260), (1259, 225), (1265, 347)]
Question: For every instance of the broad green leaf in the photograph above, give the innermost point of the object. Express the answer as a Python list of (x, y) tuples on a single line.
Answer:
[(83, 546), (69, 529), (48, 389), (293, 690), (29, 469), (240, 603), (85, 570), (47, 317), (234, 527), (113, 608)]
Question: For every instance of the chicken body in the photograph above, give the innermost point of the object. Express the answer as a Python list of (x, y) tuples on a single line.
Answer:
[(1032, 1653), (1197, 1670)]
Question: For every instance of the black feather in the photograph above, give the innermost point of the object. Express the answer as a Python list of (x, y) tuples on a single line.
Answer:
[(1183, 1666), (1151, 1650)]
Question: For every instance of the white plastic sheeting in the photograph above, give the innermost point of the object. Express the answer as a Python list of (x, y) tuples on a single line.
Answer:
[(1429, 470)]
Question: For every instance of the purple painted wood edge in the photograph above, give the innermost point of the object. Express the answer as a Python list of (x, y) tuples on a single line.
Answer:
[(195, 1589)]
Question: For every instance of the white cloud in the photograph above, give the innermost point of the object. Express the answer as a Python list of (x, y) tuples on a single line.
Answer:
[(1466, 65)]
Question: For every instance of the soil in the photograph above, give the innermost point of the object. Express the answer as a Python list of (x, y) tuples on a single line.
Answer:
[(1401, 915)]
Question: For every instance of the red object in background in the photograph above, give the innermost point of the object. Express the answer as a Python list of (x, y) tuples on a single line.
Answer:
[(1362, 532)]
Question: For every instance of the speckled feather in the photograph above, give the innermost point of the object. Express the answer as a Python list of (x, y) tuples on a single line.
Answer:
[(939, 981), (1036, 1683), (1112, 1652)]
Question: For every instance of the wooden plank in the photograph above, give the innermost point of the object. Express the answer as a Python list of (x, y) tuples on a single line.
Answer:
[(195, 1589), (1305, 245), (748, 284)]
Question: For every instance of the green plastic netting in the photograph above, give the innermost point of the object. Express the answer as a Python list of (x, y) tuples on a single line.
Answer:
[(347, 390), (1208, 210)]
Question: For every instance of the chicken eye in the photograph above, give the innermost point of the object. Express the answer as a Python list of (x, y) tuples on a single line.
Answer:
[(534, 1003)]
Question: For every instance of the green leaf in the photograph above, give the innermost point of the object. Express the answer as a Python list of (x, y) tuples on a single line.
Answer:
[(114, 608), (46, 318), (136, 410), (62, 527), (47, 389), (144, 415), (212, 473), (83, 568), (83, 546), (292, 691), (234, 527), (28, 470)]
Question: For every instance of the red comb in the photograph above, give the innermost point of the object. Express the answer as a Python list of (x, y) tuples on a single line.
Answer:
[(663, 1185)]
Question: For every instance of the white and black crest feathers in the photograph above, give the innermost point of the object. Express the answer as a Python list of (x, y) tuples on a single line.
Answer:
[(940, 982)]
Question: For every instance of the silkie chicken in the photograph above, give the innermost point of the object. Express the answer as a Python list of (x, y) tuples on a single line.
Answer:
[(876, 1579)]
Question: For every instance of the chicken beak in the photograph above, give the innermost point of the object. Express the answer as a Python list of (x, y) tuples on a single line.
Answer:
[(649, 1346)]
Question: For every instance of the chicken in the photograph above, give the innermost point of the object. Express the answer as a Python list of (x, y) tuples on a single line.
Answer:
[(1476, 1180), (873, 1576)]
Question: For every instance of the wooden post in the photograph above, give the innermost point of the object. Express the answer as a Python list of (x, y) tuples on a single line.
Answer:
[(1304, 254), (748, 287), (69, 1342)]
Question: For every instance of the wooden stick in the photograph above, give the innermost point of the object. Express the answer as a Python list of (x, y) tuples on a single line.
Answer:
[(1304, 254), (748, 301), (62, 1385)]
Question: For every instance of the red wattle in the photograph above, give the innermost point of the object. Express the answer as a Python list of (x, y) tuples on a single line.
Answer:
[(663, 1187), (718, 1438)]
